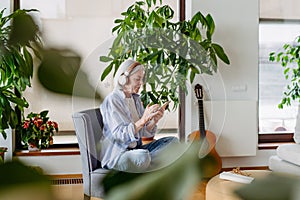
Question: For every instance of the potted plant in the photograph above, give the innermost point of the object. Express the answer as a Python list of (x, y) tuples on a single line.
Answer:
[(172, 52), (289, 58), (37, 131), (19, 41)]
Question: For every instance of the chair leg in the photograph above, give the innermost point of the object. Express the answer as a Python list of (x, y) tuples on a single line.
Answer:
[(86, 197)]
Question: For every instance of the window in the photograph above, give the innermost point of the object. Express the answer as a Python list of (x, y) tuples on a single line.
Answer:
[(279, 24), (273, 34)]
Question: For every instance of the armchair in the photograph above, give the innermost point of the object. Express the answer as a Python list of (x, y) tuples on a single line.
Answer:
[(88, 127)]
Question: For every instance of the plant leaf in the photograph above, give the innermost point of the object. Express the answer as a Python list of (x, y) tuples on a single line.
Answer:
[(220, 52), (106, 71)]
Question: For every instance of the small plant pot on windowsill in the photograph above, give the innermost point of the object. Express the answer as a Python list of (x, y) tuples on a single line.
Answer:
[(33, 147), (37, 131), (38, 145)]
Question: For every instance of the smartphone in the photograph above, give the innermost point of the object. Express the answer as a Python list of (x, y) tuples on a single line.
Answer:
[(164, 106)]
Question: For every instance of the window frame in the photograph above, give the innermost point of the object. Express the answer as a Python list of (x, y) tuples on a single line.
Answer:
[(276, 137)]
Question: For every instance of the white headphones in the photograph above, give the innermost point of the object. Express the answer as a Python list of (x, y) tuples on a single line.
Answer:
[(124, 76)]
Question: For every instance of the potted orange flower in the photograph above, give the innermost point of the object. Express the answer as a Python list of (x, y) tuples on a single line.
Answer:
[(37, 131)]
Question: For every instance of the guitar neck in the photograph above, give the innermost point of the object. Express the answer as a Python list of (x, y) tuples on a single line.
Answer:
[(201, 119)]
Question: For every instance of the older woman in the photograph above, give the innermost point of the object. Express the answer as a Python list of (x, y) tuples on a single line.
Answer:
[(126, 121)]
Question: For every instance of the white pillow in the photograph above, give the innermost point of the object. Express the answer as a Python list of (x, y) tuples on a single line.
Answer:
[(289, 152), (278, 165)]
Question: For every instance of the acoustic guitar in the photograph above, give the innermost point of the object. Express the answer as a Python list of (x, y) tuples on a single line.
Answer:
[(210, 161)]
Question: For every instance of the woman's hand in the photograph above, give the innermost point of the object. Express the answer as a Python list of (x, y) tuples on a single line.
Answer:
[(158, 115), (149, 114)]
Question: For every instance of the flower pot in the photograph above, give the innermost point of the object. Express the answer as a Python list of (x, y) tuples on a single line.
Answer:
[(37, 130), (33, 147)]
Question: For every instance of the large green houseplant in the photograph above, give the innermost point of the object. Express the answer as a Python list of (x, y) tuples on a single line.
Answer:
[(19, 40), (289, 58), (173, 52)]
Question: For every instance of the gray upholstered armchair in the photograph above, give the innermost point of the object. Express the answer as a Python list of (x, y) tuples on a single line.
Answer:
[(88, 127)]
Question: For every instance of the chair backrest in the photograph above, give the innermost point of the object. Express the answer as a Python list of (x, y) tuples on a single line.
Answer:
[(88, 127)]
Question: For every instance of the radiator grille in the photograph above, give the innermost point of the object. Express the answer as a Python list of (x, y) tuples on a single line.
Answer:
[(67, 181)]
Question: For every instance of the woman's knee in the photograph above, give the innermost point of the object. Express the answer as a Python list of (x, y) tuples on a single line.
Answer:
[(140, 159), (137, 160)]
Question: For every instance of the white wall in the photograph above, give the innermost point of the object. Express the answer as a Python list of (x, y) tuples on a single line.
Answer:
[(232, 93), (54, 165), (237, 31), (6, 4)]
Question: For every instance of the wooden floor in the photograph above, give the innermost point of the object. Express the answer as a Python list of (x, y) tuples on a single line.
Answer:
[(68, 192), (75, 192)]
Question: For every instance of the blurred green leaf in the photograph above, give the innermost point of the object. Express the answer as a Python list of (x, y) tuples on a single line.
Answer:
[(24, 28), (59, 70), (15, 173), (18, 181), (273, 187)]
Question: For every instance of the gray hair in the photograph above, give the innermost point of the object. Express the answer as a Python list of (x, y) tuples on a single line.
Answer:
[(122, 69)]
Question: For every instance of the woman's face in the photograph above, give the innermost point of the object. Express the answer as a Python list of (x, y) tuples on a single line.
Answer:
[(135, 81)]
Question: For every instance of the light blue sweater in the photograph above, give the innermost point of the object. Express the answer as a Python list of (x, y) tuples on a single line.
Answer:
[(118, 130)]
